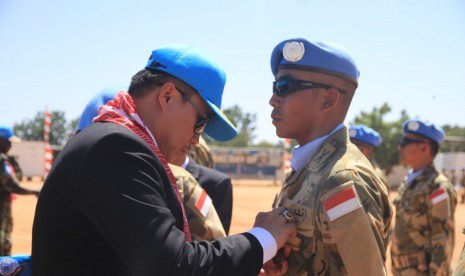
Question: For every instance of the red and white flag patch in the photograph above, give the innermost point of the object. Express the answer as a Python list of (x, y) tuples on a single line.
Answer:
[(438, 196), (344, 202), (203, 203)]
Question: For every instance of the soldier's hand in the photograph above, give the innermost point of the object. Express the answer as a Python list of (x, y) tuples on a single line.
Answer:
[(277, 224), (278, 265)]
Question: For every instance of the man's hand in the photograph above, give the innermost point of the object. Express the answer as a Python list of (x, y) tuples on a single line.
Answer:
[(275, 223)]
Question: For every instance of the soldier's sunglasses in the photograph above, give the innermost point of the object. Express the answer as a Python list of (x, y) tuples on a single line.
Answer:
[(201, 123), (283, 87), (404, 141)]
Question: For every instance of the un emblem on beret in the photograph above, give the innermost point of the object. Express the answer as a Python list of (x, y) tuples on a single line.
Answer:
[(352, 132), (293, 51), (413, 126)]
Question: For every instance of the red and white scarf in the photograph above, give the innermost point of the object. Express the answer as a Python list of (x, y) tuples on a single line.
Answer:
[(122, 110)]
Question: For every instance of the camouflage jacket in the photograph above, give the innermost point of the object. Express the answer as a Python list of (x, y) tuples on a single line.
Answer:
[(202, 155), (342, 211), (8, 180), (460, 267), (203, 220), (423, 236), (382, 176)]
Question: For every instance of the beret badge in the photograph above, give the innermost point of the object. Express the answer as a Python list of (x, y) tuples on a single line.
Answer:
[(352, 132), (293, 51), (413, 126)]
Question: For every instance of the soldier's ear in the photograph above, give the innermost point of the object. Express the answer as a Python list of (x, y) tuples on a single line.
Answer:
[(330, 99)]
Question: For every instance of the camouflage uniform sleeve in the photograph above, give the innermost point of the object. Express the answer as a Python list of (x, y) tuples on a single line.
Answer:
[(16, 167), (9, 183), (202, 217), (442, 200), (354, 211)]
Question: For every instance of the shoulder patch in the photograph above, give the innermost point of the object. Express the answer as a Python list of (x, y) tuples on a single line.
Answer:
[(341, 203), (203, 203), (438, 196)]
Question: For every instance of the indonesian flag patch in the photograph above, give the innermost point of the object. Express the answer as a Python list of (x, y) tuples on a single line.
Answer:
[(203, 203), (438, 196), (341, 203)]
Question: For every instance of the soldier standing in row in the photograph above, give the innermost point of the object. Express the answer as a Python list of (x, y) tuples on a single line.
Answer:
[(341, 207), (462, 187), (367, 140), (423, 237), (460, 266), (9, 184)]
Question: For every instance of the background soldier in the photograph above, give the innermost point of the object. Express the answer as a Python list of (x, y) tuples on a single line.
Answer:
[(9, 184), (342, 209), (460, 266), (218, 185), (202, 154), (367, 140), (462, 187), (423, 237)]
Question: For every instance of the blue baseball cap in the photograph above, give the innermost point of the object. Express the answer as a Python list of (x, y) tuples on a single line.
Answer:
[(424, 129), (194, 67), (322, 57), (365, 135), (91, 109), (7, 134)]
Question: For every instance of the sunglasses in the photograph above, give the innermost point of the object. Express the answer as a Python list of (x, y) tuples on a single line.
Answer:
[(283, 87), (201, 123), (404, 141)]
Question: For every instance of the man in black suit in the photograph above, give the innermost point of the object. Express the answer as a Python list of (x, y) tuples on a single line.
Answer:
[(110, 205), (218, 186)]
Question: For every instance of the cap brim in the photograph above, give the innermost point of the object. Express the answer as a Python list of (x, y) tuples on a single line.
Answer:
[(14, 139), (220, 127)]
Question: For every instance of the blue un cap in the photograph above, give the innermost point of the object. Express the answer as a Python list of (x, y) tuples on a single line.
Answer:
[(7, 134), (194, 67), (323, 57), (365, 135), (424, 129), (91, 109)]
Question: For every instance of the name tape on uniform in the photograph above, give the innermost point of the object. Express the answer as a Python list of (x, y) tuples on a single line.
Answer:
[(438, 196), (204, 203), (342, 203)]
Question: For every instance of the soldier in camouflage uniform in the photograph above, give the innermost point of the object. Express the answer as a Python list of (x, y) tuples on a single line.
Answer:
[(423, 237), (9, 184), (462, 187), (201, 154), (367, 140), (341, 207), (460, 266), (204, 222)]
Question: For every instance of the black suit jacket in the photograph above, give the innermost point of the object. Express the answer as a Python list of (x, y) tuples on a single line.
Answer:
[(218, 186), (108, 208)]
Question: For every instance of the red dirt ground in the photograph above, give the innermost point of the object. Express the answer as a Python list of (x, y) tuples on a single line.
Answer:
[(250, 197)]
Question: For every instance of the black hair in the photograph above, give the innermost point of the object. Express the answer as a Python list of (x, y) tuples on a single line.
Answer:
[(145, 81)]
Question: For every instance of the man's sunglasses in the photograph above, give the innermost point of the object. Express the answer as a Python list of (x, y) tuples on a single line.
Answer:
[(201, 123), (404, 141), (283, 87)]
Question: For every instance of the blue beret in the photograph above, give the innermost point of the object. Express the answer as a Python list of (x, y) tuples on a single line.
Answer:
[(365, 134), (195, 68), (91, 109), (7, 134), (425, 129), (322, 57)]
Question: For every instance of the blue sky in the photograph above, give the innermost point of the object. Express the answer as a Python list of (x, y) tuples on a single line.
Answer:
[(411, 54)]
